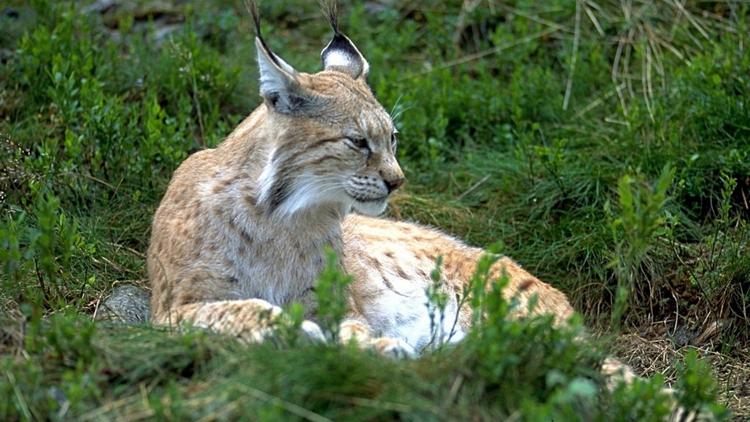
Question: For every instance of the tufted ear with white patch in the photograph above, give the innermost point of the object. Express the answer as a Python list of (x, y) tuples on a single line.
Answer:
[(341, 54), (278, 82)]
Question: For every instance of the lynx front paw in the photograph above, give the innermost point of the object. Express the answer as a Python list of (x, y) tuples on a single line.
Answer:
[(312, 332), (393, 348), (354, 331)]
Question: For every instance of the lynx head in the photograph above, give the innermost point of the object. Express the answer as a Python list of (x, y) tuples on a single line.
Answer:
[(332, 143)]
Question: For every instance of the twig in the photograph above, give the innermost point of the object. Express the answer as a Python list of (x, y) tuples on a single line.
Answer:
[(671, 48), (484, 53), (656, 55), (129, 249), (455, 388), (114, 265), (574, 57), (594, 20), (288, 406), (692, 20), (197, 102), (43, 287), (534, 18), (615, 68), (188, 57), (467, 7), (646, 81), (95, 179), (598, 101), (19, 396), (617, 122), (375, 404), (473, 187), (626, 62)]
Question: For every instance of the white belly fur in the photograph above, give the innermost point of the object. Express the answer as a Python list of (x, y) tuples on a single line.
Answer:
[(405, 315)]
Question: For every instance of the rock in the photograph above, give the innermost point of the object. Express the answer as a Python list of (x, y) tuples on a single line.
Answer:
[(101, 6), (163, 33), (127, 303), (379, 6), (11, 13)]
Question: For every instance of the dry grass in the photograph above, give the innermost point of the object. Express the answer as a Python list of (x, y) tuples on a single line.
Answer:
[(650, 356)]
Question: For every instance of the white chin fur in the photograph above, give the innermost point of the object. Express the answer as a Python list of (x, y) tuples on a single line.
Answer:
[(371, 208)]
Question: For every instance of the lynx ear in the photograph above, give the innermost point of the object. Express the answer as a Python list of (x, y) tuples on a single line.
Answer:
[(279, 84), (341, 54)]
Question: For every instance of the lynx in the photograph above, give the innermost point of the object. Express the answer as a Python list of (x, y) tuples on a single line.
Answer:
[(242, 228)]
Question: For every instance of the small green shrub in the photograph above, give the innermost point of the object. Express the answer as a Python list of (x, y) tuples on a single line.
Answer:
[(37, 255), (639, 223), (331, 292)]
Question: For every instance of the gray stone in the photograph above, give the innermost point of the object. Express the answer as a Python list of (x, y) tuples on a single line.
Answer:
[(127, 303)]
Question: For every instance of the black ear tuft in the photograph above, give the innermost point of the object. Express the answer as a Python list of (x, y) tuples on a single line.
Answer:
[(278, 80), (252, 8), (330, 8)]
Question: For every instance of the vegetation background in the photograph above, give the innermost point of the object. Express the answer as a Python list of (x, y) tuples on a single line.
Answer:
[(604, 144)]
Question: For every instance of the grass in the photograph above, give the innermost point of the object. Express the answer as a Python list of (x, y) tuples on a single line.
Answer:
[(603, 144)]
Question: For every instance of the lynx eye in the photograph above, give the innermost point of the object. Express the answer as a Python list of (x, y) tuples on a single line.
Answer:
[(359, 144), (394, 143)]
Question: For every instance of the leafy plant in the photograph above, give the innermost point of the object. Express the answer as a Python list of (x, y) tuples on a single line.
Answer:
[(331, 292), (641, 221)]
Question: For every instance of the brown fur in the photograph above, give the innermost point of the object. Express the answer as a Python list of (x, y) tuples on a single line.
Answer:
[(242, 228)]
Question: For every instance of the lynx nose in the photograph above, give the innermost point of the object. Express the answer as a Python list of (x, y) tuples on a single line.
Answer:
[(393, 184)]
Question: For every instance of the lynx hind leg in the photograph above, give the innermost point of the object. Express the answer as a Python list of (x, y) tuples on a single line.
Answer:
[(250, 320), (353, 330), (616, 373), (522, 286)]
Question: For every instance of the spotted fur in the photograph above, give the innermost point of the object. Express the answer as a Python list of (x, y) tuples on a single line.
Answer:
[(242, 228)]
